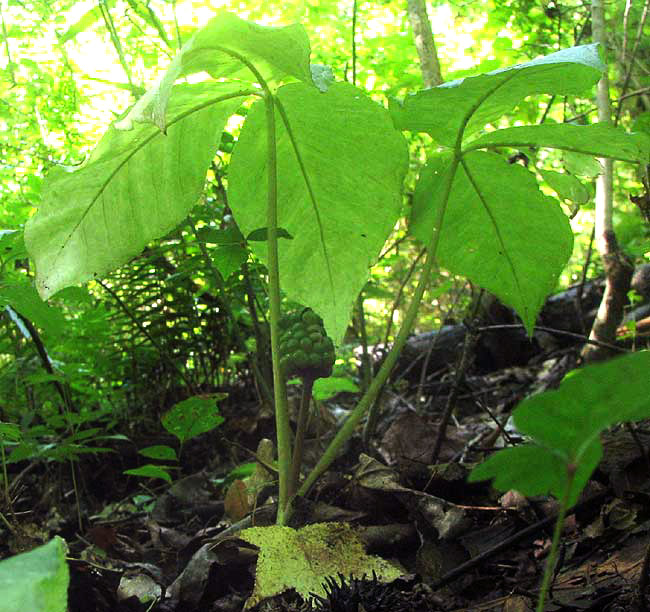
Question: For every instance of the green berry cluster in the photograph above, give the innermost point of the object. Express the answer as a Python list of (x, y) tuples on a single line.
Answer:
[(305, 348)]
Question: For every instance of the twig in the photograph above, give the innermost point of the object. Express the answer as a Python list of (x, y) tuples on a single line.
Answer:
[(559, 332), (463, 365), (463, 568)]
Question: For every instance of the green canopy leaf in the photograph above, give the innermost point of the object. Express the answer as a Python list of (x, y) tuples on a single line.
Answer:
[(600, 139)]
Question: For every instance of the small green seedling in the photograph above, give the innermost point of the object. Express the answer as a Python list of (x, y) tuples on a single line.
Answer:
[(564, 427), (185, 420)]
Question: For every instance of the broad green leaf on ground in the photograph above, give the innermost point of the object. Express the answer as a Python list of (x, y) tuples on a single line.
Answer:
[(193, 416), (24, 299), (302, 559), (498, 229), (565, 425), (567, 186), (136, 186), (36, 580), (227, 47), (444, 110), (600, 139), (340, 172)]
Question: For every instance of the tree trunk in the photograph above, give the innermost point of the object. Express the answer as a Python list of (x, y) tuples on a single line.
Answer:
[(424, 43), (618, 269)]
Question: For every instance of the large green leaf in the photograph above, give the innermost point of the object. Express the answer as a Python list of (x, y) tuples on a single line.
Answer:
[(587, 402), (228, 47), (498, 229), (565, 425), (340, 172), (36, 581), (24, 299), (600, 139), (468, 104), (136, 186)]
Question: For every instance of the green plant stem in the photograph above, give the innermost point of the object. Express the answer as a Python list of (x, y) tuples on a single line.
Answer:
[(549, 569), (8, 525), (80, 522), (301, 427), (283, 431), (368, 398), (366, 370)]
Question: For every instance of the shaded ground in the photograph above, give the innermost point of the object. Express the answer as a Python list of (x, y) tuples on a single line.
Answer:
[(143, 546)]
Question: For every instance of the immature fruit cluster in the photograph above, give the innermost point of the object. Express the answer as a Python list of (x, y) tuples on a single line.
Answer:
[(305, 348)]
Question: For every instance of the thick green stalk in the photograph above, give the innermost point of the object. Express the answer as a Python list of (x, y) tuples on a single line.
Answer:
[(301, 428), (368, 398), (283, 431)]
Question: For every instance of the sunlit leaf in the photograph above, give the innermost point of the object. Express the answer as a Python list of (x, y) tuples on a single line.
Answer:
[(469, 104), (600, 139), (339, 192), (136, 186), (229, 47), (498, 229), (302, 559)]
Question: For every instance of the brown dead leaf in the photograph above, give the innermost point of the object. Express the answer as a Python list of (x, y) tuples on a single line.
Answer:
[(236, 503)]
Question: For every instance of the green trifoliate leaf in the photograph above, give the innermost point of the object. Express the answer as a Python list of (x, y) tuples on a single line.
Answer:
[(233, 48)]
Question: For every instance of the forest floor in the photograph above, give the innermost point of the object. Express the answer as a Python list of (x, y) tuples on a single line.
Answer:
[(138, 546)]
